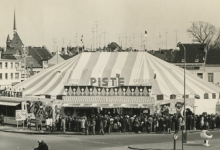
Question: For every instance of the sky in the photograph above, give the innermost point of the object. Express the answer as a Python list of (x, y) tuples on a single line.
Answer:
[(57, 23)]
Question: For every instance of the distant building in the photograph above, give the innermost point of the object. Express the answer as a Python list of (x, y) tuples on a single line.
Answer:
[(33, 59), (204, 64), (10, 72)]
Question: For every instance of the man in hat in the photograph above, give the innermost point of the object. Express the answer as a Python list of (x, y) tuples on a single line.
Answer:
[(41, 146)]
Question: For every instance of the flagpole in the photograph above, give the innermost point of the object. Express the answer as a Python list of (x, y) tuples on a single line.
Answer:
[(141, 42)]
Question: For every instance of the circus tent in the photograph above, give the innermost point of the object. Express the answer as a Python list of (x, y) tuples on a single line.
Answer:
[(136, 68)]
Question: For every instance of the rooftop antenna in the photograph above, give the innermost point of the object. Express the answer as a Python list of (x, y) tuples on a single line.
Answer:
[(97, 23), (160, 40), (176, 37), (119, 40), (104, 37), (93, 39), (133, 40), (166, 39), (141, 41)]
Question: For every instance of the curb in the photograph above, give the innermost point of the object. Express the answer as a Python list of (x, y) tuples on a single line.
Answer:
[(43, 133), (79, 133)]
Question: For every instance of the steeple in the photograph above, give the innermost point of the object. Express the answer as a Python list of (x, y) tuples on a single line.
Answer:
[(14, 23)]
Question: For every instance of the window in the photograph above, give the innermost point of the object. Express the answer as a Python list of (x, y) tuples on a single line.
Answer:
[(16, 65), (11, 65), (206, 96), (172, 96), (210, 77), (200, 75), (11, 75), (0, 65), (16, 75), (6, 76), (0, 76), (6, 65)]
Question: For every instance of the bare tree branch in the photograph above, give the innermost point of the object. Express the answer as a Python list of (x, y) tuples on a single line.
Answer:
[(204, 32)]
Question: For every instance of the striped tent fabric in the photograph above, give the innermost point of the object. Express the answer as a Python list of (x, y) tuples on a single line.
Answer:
[(136, 68)]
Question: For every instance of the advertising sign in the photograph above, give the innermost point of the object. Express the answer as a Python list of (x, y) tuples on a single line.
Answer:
[(20, 115)]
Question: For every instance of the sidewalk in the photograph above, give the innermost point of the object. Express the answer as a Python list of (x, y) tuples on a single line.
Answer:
[(12, 128)]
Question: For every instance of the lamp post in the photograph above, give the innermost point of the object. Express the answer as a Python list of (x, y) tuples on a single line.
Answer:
[(178, 44)]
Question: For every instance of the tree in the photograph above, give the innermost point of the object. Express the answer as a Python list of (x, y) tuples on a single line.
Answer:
[(205, 33)]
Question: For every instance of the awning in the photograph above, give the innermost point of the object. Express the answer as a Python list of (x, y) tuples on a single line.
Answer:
[(9, 104), (107, 105)]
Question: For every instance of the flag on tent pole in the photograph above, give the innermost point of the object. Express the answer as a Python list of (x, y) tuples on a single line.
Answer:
[(155, 76), (145, 34)]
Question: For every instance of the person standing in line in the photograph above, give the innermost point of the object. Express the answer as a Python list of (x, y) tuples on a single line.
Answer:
[(111, 121), (63, 125), (2, 119), (29, 122), (155, 123), (82, 126), (105, 124), (87, 126), (136, 125), (202, 122), (101, 128), (92, 125), (37, 122), (179, 122), (169, 123), (40, 122), (59, 123), (173, 122)]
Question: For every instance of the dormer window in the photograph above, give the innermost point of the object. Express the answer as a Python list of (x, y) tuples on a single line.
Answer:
[(183, 60), (196, 60)]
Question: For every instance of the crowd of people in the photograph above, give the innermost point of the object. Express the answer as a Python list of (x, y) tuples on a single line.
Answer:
[(101, 124)]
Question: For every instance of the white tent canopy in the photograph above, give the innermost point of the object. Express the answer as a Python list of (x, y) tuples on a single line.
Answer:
[(137, 68)]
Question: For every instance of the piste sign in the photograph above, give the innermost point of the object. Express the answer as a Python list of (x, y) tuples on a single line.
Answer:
[(20, 115)]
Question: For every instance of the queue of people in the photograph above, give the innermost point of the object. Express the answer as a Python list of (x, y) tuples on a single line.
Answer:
[(93, 124)]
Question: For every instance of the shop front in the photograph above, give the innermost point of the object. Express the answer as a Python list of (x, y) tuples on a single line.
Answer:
[(8, 107)]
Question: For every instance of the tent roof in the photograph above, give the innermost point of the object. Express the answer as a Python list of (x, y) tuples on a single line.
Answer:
[(137, 68)]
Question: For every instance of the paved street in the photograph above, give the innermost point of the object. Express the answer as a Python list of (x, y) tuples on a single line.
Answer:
[(12, 141)]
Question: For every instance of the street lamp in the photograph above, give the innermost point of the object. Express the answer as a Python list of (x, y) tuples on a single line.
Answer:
[(178, 48)]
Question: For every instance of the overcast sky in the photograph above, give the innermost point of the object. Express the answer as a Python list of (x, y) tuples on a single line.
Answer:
[(40, 22)]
